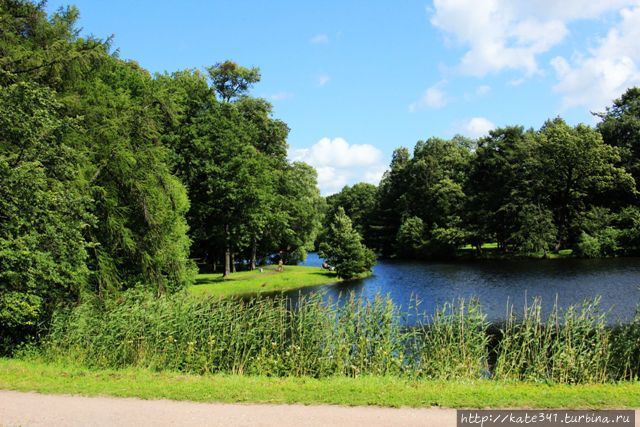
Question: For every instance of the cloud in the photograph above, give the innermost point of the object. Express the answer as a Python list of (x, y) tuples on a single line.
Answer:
[(339, 163), (483, 90), (595, 79), (510, 34), (319, 39), (323, 79), (279, 96), (434, 97), (477, 127)]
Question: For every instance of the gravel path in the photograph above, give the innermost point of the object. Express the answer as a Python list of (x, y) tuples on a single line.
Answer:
[(32, 409)]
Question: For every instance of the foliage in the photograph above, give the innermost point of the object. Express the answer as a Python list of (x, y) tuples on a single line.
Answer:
[(342, 248), (410, 239), (620, 127), (231, 80), (358, 202), (42, 210), (530, 192)]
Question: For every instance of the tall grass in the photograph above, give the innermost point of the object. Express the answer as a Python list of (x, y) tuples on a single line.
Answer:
[(353, 337)]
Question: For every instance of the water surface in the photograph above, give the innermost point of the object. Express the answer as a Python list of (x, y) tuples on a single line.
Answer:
[(496, 283)]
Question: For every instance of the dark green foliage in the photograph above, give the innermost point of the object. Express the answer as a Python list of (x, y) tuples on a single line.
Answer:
[(531, 192), (42, 211), (88, 200), (620, 127), (410, 238), (342, 248), (247, 201), (358, 202)]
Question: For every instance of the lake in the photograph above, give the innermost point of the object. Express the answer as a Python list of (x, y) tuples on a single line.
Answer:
[(496, 283)]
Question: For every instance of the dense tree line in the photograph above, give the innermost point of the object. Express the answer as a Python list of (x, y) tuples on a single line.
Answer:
[(528, 192), (112, 178)]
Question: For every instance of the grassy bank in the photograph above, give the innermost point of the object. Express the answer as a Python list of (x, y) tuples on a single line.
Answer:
[(493, 252), (269, 280), (382, 391)]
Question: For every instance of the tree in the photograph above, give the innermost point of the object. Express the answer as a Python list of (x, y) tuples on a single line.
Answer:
[(410, 239), (500, 182), (343, 248), (534, 230), (620, 127), (391, 204), (231, 80), (576, 170), (358, 202), (43, 211), (295, 221)]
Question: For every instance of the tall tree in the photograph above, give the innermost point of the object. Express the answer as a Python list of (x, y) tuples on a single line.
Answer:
[(343, 248), (231, 80), (620, 127), (575, 170), (43, 211)]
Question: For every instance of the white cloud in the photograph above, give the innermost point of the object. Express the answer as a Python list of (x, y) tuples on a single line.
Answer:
[(477, 127), (279, 96), (323, 79), (606, 71), (319, 39), (483, 90), (339, 163), (511, 34), (434, 97)]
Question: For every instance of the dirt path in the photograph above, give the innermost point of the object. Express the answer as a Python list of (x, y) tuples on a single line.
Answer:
[(32, 409)]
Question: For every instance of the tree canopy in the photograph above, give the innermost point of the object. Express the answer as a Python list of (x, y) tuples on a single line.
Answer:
[(111, 178)]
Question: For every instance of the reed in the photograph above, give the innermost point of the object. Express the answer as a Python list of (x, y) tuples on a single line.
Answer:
[(351, 337)]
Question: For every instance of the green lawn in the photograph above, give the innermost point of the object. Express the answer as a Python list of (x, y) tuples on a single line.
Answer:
[(270, 280), (382, 391)]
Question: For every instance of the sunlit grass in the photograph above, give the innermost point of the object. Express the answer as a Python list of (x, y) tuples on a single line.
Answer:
[(368, 390), (269, 280)]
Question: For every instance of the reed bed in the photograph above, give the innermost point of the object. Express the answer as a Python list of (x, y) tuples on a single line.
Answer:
[(352, 337)]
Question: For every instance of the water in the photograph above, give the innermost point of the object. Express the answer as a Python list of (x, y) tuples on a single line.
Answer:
[(495, 283)]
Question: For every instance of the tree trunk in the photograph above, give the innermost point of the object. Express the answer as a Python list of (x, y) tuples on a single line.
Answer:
[(253, 254), (233, 262), (227, 252)]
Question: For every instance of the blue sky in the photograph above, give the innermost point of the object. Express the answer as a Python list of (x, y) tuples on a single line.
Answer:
[(356, 79)]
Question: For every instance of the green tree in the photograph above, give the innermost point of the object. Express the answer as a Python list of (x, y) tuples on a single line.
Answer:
[(43, 211), (358, 202), (534, 230), (620, 127), (231, 80), (296, 218), (576, 170), (500, 182), (410, 239), (343, 248)]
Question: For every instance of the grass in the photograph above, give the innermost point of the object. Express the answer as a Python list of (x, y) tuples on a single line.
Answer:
[(254, 282), (30, 375)]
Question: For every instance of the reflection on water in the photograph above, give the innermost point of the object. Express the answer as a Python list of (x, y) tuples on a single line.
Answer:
[(495, 283)]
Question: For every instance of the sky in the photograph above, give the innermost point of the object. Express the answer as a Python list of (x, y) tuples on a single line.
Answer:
[(356, 79)]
